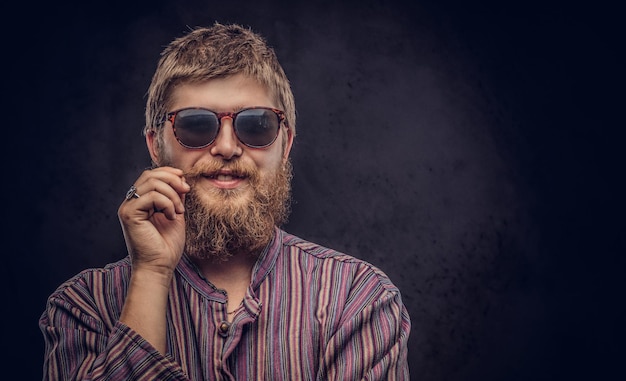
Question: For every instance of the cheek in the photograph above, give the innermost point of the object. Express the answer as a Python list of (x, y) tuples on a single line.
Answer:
[(175, 155), (166, 155), (270, 161)]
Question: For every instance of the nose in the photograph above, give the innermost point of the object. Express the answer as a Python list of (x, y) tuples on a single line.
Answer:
[(226, 144)]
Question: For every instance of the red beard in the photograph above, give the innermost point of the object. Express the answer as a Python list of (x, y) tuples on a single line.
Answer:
[(223, 222)]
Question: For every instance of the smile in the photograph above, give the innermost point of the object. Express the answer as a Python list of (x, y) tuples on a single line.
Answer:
[(221, 177), (225, 175), (226, 179)]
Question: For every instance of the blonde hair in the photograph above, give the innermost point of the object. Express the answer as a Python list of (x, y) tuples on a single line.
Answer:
[(214, 52)]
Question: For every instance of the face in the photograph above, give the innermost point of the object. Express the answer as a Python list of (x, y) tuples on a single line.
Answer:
[(230, 181), (221, 95)]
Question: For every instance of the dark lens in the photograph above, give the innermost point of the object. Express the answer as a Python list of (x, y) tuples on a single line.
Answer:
[(257, 127), (196, 128)]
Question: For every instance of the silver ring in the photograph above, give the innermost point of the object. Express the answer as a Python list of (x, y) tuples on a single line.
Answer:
[(132, 193)]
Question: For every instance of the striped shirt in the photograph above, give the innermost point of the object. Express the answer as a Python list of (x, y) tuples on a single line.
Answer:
[(310, 313)]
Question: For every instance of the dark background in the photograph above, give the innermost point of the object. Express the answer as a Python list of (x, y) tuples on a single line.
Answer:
[(471, 150)]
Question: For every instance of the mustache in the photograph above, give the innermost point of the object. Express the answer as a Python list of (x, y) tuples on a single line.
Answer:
[(212, 168)]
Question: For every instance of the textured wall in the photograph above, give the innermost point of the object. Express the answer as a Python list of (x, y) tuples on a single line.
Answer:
[(439, 142)]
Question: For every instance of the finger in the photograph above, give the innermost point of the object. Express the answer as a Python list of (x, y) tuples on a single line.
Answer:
[(160, 186), (169, 175), (144, 207), (160, 204)]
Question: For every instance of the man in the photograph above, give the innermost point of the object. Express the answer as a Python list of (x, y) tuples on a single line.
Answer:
[(212, 288)]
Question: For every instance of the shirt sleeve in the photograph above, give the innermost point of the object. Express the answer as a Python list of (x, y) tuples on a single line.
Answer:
[(81, 343), (372, 338)]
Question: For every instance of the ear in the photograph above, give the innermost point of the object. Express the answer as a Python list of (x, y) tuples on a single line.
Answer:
[(287, 144), (152, 142)]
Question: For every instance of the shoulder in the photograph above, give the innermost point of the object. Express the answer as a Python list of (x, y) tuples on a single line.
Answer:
[(345, 286), (95, 280), (91, 299), (351, 267)]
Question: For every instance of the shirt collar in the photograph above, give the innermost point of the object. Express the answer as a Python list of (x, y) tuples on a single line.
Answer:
[(266, 261), (263, 266)]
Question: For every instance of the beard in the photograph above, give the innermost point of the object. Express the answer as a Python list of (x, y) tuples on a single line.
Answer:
[(223, 222)]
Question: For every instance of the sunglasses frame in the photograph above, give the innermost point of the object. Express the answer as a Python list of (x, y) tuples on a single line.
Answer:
[(282, 120)]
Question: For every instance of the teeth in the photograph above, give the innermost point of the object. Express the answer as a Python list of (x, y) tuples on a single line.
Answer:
[(224, 177)]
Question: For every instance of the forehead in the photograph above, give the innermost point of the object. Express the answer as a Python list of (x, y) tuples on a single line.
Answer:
[(222, 94)]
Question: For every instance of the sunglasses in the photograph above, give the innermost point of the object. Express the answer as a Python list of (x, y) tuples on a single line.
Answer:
[(256, 127)]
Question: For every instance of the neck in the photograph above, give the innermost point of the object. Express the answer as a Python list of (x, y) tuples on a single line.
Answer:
[(236, 271), (233, 276)]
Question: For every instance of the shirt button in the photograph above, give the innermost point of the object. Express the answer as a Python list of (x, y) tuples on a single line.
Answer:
[(224, 326)]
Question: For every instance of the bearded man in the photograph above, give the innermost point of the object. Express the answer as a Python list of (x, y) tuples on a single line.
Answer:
[(212, 288)]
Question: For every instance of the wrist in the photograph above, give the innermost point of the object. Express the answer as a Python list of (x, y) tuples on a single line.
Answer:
[(148, 277)]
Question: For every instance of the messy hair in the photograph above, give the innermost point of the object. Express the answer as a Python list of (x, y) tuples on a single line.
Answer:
[(216, 52)]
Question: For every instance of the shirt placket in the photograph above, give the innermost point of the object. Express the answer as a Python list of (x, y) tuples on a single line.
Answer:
[(231, 334)]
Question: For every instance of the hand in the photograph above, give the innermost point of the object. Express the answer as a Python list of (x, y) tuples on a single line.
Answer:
[(154, 224)]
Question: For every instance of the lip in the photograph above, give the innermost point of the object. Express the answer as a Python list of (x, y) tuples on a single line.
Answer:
[(225, 179)]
